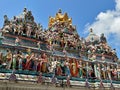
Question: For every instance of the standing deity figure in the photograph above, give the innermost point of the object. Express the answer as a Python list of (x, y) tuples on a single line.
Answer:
[(108, 72), (44, 66), (98, 72), (6, 20), (9, 59), (53, 65), (25, 11), (14, 62), (74, 70), (87, 70), (103, 71), (39, 63), (29, 30), (20, 61), (67, 70), (58, 69), (35, 62), (80, 69)]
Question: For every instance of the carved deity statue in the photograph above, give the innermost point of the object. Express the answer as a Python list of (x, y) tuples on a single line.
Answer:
[(9, 59), (6, 20), (103, 38), (80, 69)]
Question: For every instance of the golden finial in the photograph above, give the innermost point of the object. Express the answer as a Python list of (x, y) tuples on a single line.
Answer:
[(60, 18)]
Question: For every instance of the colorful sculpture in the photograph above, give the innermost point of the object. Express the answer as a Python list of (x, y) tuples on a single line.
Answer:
[(58, 51)]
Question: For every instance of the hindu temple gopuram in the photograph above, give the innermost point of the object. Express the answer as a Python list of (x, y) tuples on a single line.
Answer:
[(54, 57)]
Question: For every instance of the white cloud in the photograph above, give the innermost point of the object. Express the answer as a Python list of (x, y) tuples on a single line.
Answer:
[(118, 5), (108, 23)]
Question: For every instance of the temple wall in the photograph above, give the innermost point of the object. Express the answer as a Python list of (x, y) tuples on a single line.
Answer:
[(34, 86)]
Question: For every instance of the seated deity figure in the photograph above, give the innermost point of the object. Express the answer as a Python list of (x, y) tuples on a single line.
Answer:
[(103, 38), (29, 30), (17, 41), (6, 29), (29, 17), (58, 69), (29, 62), (15, 29), (20, 29), (9, 59), (38, 44), (14, 20), (40, 27), (114, 73)]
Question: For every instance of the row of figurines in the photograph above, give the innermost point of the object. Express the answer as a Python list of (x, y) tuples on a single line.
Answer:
[(40, 35), (68, 40), (89, 51), (61, 66), (20, 27)]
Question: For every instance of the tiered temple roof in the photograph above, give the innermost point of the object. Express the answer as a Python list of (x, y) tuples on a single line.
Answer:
[(55, 50)]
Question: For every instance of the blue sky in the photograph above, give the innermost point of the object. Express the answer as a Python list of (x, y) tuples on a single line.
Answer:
[(83, 12)]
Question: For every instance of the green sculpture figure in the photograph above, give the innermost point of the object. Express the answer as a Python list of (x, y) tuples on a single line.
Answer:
[(98, 73), (80, 69)]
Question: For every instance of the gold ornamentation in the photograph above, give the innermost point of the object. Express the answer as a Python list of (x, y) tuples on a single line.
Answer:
[(61, 18)]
